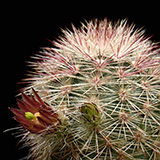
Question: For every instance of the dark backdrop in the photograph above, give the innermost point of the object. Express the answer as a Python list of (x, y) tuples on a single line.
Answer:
[(26, 28)]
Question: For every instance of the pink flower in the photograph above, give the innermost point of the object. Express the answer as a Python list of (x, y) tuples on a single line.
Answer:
[(36, 115)]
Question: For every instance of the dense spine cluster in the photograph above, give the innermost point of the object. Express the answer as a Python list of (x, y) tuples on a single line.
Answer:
[(97, 96)]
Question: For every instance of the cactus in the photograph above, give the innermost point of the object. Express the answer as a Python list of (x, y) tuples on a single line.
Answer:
[(94, 96)]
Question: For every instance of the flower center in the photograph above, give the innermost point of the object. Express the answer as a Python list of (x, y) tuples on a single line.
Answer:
[(30, 116)]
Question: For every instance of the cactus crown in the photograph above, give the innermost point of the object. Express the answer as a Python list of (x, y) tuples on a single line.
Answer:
[(96, 95)]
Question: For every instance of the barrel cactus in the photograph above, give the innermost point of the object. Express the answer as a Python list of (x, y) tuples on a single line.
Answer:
[(94, 95)]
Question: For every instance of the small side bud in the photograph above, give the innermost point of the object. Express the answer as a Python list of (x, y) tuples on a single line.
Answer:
[(90, 112)]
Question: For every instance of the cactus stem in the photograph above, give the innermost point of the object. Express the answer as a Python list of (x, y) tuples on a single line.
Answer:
[(96, 96)]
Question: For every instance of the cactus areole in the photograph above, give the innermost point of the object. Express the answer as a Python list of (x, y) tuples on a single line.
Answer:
[(94, 95)]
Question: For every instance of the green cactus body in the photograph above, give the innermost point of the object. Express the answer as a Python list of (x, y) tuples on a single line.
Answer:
[(97, 95)]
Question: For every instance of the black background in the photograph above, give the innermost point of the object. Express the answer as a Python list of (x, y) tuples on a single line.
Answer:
[(27, 27)]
